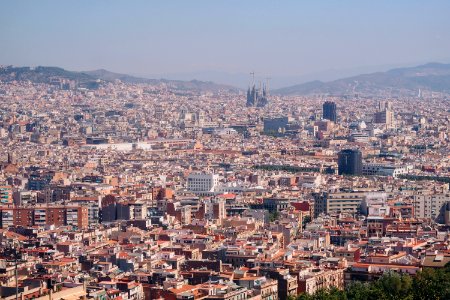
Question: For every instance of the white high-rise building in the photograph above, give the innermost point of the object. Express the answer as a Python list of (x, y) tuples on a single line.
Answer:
[(202, 183)]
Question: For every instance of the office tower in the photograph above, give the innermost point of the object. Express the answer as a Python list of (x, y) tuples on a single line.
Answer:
[(385, 114), (350, 162), (329, 111)]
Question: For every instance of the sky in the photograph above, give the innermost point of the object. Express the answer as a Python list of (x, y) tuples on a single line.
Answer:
[(276, 38)]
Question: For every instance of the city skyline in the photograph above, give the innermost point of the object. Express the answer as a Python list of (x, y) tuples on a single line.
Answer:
[(309, 160), (293, 42)]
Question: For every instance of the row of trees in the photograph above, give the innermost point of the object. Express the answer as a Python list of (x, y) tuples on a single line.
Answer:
[(423, 177), (286, 168), (430, 284)]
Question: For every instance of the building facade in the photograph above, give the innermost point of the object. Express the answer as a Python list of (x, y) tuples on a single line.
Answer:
[(350, 162), (329, 111)]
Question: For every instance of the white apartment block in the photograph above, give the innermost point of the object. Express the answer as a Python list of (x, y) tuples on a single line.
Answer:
[(202, 183), (371, 169)]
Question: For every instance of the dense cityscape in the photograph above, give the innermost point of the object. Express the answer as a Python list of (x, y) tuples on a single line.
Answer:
[(224, 150), (137, 191)]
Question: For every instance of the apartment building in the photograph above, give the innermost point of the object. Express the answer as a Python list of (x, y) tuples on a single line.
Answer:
[(6, 194), (431, 206), (202, 183), (378, 169), (315, 279), (76, 216)]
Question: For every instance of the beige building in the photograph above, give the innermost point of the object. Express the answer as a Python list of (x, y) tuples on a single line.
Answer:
[(312, 280), (431, 206)]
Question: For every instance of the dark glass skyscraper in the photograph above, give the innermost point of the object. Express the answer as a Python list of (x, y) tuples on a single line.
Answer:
[(329, 111), (350, 162)]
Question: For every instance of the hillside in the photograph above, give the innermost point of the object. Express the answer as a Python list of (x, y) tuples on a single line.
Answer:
[(111, 76), (46, 74), (40, 74), (178, 84), (432, 77)]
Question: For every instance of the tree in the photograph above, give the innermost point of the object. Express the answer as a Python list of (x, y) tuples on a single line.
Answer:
[(274, 216), (328, 294), (359, 291), (306, 220), (393, 286), (304, 296), (432, 284)]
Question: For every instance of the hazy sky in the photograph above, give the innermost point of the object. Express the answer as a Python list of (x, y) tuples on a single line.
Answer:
[(271, 37)]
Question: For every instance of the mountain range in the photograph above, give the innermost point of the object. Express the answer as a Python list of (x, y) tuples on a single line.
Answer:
[(177, 84), (431, 77), (243, 79), (428, 77), (42, 74)]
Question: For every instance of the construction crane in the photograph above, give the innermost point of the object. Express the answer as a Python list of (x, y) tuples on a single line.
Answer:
[(267, 84)]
